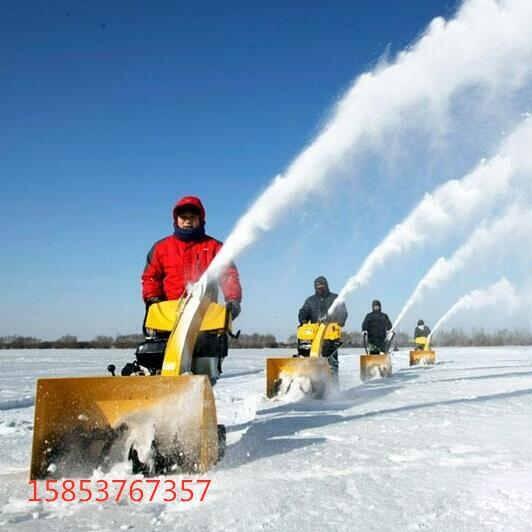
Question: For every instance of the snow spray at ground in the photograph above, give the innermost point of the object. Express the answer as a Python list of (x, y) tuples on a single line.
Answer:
[(308, 383), (514, 226), (366, 458), (502, 293), (450, 205), (294, 387), (175, 421), (488, 45)]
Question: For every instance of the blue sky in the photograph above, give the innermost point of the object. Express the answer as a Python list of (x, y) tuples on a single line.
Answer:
[(112, 111)]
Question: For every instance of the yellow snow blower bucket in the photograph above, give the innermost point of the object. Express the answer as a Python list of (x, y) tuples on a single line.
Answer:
[(315, 369), (418, 357), (310, 365), (86, 422), (81, 422), (372, 366), (423, 354)]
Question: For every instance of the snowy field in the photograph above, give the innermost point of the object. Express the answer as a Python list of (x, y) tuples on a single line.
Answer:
[(447, 447)]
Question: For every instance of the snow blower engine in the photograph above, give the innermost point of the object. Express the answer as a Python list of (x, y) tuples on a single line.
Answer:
[(210, 349)]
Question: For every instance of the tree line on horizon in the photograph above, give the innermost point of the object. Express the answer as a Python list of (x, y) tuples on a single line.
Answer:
[(445, 338)]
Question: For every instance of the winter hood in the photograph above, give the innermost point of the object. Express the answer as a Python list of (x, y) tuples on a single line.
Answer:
[(189, 201)]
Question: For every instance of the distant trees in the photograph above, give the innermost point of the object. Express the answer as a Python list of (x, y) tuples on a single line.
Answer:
[(103, 342), (69, 341), (19, 342), (452, 337), (127, 340), (255, 340), (479, 337)]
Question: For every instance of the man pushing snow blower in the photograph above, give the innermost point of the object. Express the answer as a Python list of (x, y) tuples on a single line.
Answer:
[(376, 328), (161, 412), (315, 309), (315, 366), (173, 264), (378, 334), (422, 354), (421, 334)]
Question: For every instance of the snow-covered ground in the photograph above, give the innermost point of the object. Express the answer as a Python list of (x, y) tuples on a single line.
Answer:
[(447, 447)]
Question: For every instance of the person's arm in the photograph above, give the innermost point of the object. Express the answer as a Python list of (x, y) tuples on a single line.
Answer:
[(152, 277), (230, 284), (389, 324), (339, 314), (305, 313), (365, 323), (232, 289), (229, 279)]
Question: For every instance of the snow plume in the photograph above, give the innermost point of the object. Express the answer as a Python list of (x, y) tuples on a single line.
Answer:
[(453, 203), (514, 225), (486, 46), (502, 293)]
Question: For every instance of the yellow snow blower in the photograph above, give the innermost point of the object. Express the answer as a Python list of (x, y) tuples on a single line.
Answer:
[(373, 364), (159, 414), (422, 354), (309, 369)]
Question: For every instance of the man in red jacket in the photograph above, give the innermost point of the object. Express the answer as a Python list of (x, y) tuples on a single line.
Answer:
[(180, 259)]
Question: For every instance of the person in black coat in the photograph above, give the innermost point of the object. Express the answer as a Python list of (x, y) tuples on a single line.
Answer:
[(376, 325), (421, 331), (315, 309)]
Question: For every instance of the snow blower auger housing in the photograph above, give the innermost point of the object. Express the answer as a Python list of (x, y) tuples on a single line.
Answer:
[(162, 422), (374, 365), (315, 342), (422, 354)]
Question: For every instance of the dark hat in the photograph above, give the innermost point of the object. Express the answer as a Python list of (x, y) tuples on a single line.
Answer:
[(321, 280), (189, 203)]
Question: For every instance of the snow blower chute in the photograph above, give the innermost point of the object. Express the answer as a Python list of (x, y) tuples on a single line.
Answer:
[(158, 414), (422, 354), (309, 369), (376, 363)]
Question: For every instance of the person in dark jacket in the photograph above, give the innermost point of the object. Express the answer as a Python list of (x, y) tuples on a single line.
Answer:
[(180, 259), (315, 309), (421, 331), (375, 326)]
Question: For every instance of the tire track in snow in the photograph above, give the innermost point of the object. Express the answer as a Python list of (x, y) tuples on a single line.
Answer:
[(13, 404)]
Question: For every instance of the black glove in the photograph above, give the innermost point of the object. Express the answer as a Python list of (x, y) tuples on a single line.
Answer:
[(151, 300), (234, 308)]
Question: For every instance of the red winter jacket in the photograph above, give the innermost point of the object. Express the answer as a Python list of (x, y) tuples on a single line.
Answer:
[(172, 264)]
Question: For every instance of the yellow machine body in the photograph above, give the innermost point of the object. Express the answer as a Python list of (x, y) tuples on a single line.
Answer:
[(162, 316), (315, 366), (309, 331), (418, 357), (74, 410), (372, 366), (421, 342)]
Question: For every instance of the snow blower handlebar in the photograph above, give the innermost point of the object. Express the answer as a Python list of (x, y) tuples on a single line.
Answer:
[(390, 335)]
